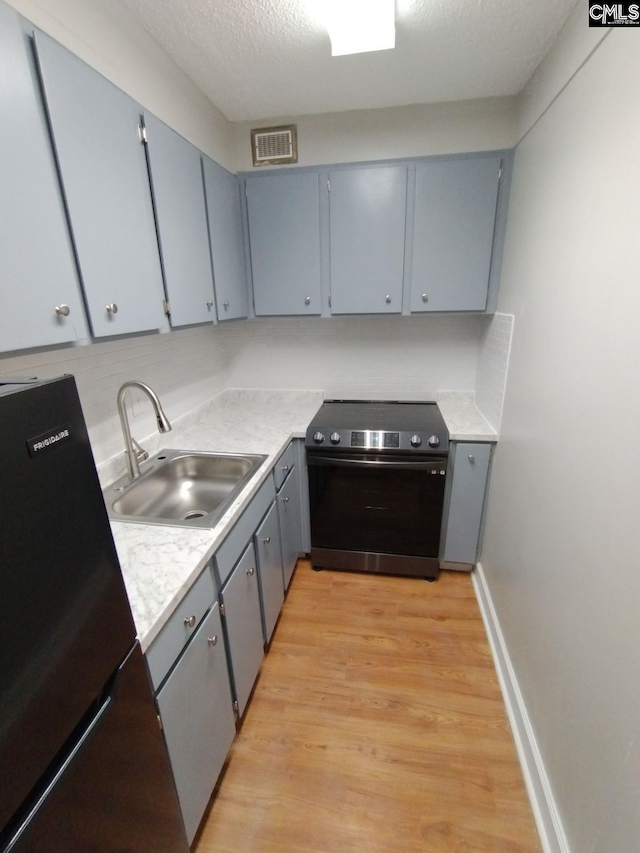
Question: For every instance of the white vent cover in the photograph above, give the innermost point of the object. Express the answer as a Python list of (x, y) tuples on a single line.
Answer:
[(273, 145)]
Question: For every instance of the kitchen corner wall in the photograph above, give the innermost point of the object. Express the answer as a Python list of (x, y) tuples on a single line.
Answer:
[(561, 552)]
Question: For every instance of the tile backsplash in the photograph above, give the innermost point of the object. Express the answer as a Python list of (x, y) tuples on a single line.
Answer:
[(493, 365), (377, 357)]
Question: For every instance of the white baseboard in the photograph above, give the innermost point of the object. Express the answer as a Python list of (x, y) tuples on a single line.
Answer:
[(545, 812)]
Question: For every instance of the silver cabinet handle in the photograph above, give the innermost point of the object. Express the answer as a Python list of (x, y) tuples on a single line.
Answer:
[(225, 304), (190, 621), (285, 500), (213, 641), (307, 300), (266, 540), (63, 310), (387, 298), (472, 458), (209, 304), (251, 571), (285, 468), (112, 308), (425, 298)]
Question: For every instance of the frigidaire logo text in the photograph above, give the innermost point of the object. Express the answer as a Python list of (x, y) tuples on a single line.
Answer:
[(614, 14), (46, 440), (40, 445)]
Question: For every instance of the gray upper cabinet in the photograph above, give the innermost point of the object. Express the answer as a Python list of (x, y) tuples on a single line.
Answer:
[(243, 622), (38, 275), (197, 717), (178, 195), (284, 234), (106, 186), (466, 503), (455, 217), (367, 231), (226, 238)]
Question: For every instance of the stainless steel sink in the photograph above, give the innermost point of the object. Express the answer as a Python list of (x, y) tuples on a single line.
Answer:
[(182, 488)]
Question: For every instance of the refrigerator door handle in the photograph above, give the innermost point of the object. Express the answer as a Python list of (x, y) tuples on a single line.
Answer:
[(88, 732)]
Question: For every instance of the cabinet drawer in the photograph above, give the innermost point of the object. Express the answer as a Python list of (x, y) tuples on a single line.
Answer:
[(229, 552), (165, 649), (284, 465)]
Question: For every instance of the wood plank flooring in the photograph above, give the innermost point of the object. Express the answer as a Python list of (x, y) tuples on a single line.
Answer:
[(377, 725)]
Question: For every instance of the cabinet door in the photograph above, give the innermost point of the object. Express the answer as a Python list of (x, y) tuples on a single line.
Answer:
[(470, 471), (197, 716), (284, 234), (178, 196), (37, 268), (290, 530), (225, 236), (106, 186), (243, 623), (453, 234), (269, 554), (367, 217)]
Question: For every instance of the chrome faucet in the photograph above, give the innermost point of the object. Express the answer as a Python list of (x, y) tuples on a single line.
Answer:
[(133, 453)]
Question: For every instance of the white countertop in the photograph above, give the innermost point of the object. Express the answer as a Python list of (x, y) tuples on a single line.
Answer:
[(159, 563)]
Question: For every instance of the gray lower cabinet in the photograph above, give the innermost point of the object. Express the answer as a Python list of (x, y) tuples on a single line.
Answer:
[(470, 471), (103, 167), (269, 554), (289, 508), (367, 212), (284, 237), (243, 624), (197, 717), (178, 197), (453, 235), (227, 242), (41, 301)]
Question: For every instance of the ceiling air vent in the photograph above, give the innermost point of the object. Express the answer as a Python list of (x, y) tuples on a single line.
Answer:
[(274, 145)]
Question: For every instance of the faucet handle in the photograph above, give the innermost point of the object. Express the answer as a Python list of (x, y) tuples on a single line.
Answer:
[(141, 454)]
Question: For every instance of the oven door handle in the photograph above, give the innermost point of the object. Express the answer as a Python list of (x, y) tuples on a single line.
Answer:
[(409, 465)]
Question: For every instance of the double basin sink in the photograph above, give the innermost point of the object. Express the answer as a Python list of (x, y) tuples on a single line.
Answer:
[(182, 488)]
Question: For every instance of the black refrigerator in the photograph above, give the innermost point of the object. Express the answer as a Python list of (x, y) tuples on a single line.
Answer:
[(83, 763)]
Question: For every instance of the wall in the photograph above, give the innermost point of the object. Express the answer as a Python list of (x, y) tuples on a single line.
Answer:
[(388, 357), (412, 131), (561, 551), (185, 368), (108, 37)]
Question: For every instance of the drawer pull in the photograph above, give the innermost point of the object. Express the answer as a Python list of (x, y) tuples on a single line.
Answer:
[(285, 468), (112, 308), (213, 641), (251, 571), (472, 458), (285, 500), (63, 310), (266, 540), (190, 621)]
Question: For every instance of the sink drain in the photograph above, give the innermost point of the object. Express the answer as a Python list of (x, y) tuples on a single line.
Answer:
[(193, 513)]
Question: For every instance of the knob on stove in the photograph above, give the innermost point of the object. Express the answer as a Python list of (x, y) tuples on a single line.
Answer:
[(416, 441), (335, 438), (318, 437), (434, 441)]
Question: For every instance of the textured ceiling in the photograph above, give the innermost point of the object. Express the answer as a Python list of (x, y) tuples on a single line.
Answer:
[(263, 58)]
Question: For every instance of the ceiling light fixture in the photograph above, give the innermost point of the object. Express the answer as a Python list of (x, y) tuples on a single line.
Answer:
[(358, 26)]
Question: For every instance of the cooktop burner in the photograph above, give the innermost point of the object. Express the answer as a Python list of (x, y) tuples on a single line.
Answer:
[(379, 426)]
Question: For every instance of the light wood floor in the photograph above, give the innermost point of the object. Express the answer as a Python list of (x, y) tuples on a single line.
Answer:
[(377, 725)]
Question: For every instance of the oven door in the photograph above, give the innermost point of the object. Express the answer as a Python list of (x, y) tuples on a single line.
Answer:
[(376, 505)]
